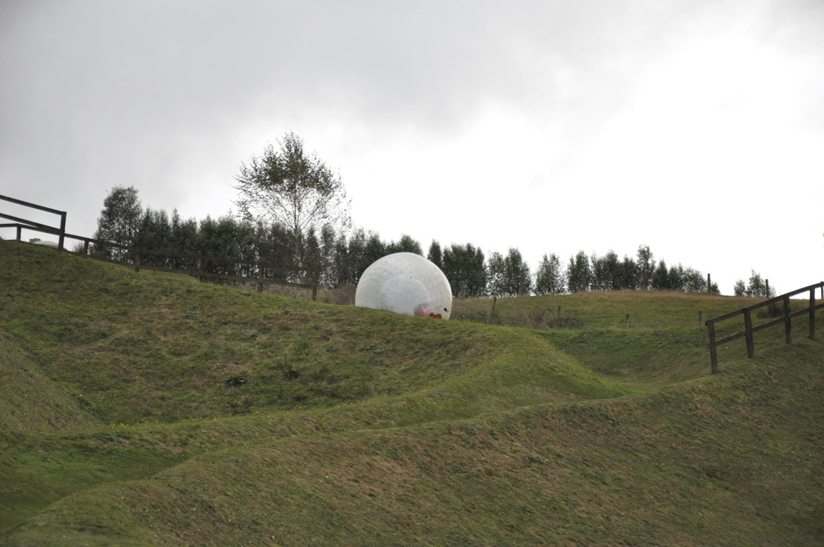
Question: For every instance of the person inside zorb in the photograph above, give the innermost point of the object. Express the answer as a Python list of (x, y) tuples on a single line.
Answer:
[(405, 283), (425, 311)]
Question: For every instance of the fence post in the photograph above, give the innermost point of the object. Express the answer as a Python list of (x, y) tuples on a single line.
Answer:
[(20, 233), (86, 248), (812, 313), (62, 231), (494, 304), (700, 317), (626, 322), (709, 284), (137, 261), (788, 330), (767, 282), (748, 332), (713, 351)]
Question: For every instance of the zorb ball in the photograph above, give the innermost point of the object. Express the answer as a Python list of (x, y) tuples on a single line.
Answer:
[(405, 283)]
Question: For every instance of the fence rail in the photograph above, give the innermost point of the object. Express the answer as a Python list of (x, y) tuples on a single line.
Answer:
[(261, 267), (60, 232), (750, 330)]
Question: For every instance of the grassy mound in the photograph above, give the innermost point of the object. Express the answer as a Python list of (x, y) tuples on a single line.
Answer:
[(729, 460), (30, 402), (146, 347), (197, 414)]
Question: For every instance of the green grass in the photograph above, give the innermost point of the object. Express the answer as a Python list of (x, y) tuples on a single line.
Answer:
[(605, 310), (161, 411), (29, 401)]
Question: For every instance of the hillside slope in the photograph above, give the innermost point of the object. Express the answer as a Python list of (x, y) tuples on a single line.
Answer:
[(144, 348), (31, 402), (147, 347), (730, 460), (232, 418)]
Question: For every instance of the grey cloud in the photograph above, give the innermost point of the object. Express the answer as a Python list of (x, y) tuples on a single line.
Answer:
[(115, 92)]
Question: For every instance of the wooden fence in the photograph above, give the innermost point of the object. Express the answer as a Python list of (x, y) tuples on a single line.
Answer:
[(59, 232), (750, 330), (260, 269)]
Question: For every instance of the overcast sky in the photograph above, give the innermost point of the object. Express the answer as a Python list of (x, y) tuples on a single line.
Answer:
[(694, 127)]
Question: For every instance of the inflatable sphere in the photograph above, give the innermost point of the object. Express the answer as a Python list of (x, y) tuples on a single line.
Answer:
[(405, 283)]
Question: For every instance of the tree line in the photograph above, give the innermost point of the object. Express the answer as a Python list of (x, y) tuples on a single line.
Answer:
[(293, 211), (337, 258), (333, 259)]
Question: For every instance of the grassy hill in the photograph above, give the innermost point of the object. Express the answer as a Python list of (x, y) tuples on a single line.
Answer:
[(146, 409)]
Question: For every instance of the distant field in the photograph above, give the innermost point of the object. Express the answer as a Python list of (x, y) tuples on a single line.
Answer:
[(603, 310), (147, 409)]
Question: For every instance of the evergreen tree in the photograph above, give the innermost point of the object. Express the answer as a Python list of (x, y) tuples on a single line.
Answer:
[(219, 238), (313, 259), (660, 277), (406, 244), (343, 268), (476, 272), (208, 242), (598, 280), (465, 268), (611, 270), (273, 246), (694, 281), (579, 273), (184, 240), (604, 272), (375, 249), (627, 274), (676, 278), (357, 261), (329, 276), (549, 278), (518, 276), (646, 267), (154, 234), (496, 275), (119, 222), (435, 255), (246, 248)]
